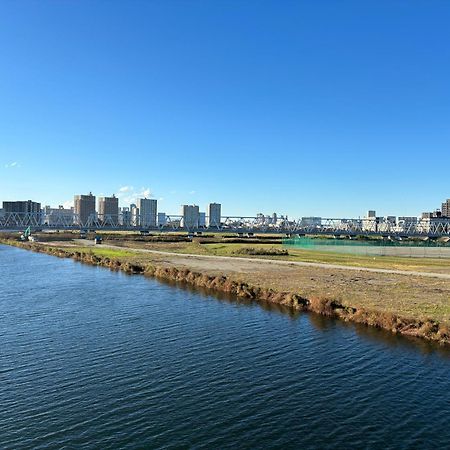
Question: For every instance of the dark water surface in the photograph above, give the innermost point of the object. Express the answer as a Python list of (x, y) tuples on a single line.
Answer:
[(95, 359)]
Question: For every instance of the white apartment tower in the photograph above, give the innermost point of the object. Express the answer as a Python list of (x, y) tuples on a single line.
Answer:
[(147, 212), (214, 213), (134, 212), (190, 215)]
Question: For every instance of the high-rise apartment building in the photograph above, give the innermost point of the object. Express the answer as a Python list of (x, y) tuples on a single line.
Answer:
[(28, 212), (108, 209), (22, 207), (214, 213), (147, 212), (84, 208), (446, 208), (190, 215)]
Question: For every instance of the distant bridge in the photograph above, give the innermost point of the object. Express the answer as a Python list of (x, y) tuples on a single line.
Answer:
[(434, 227)]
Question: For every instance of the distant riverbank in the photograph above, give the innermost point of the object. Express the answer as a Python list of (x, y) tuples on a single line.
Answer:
[(330, 293)]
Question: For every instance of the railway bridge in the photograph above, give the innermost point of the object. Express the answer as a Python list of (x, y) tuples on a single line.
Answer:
[(432, 228)]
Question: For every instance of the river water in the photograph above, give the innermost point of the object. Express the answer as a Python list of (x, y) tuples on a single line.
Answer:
[(91, 358)]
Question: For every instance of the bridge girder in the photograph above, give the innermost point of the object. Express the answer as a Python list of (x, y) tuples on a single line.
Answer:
[(231, 224)]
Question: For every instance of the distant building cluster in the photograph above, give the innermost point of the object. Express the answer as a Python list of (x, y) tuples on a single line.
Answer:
[(437, 221), (439, 213), (144, 214), (400, 224), (106, 211)]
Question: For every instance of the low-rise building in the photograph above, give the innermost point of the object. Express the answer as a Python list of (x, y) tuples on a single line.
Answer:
[(406, 224), (387, 224), (311, 222), (434, 225), (162, 219), (371, 221), (58, 216), (125, 216)]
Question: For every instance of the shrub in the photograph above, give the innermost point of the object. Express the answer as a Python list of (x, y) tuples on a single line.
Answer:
[(261, 251)]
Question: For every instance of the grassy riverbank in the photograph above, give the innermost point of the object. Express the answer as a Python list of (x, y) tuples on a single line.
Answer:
[(408, 305), (437, 265)]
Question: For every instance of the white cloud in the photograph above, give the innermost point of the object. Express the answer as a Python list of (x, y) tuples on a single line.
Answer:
[(128, 194), (145, 192), (192, 192), (12, 164)]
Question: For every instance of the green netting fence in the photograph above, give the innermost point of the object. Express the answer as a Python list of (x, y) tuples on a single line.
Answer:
[(361, 246)]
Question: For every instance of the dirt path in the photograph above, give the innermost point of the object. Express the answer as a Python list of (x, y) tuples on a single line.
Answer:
[(238, 263)]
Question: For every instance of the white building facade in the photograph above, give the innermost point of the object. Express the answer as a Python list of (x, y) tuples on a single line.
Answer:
[(147, 212), (58, 216), (191, 216), (214, 213)]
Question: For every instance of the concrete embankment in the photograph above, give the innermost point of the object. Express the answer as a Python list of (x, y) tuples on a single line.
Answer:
[(424, 328)]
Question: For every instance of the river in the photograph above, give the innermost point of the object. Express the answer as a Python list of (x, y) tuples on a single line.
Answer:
[(91, 358)]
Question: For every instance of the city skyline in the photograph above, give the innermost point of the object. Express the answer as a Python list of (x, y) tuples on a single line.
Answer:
[(145, 216), (333, 114), (110, 205)]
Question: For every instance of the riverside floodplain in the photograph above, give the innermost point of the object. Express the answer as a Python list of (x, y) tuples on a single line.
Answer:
[(407, 296)]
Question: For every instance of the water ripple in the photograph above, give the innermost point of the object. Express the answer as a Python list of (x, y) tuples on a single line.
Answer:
[(96, 359)]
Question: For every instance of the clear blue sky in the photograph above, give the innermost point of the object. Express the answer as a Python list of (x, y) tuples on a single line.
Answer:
[(301, 107)]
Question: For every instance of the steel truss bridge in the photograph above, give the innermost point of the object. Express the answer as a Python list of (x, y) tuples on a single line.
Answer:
[(434, 227)]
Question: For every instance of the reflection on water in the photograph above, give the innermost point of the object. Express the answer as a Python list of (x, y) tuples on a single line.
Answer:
[(318, 321), (209, 294)]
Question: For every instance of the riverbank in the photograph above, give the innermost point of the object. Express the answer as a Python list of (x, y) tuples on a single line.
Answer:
[(407, 305)]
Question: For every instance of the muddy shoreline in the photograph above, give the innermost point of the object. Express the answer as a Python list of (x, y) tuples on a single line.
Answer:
[(429, 329)]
